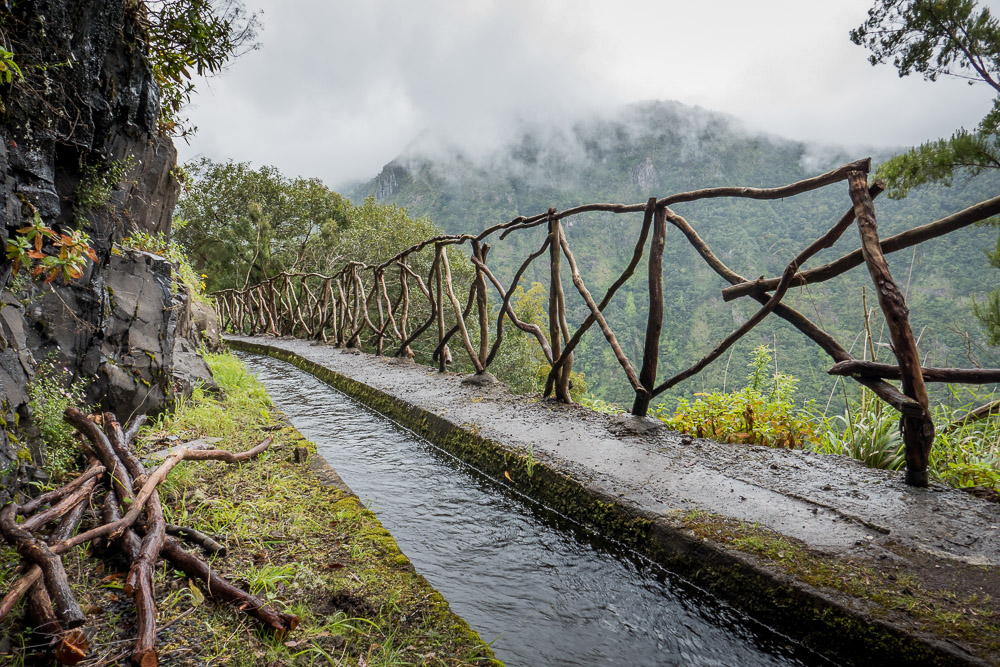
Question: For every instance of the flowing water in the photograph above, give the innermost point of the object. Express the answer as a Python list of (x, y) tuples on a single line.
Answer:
[(540, 588)]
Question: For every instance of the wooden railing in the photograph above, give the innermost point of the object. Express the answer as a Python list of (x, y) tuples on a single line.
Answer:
[(342, 306)]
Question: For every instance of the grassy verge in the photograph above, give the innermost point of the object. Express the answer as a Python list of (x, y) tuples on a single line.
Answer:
[(307, 546)]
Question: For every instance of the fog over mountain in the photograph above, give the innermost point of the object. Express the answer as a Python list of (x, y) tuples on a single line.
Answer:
[(660, 148), (337, 89)]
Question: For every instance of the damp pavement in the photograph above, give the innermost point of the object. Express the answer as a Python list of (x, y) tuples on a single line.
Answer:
[(832, 504)]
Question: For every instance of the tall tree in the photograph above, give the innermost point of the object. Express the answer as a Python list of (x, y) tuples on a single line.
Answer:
[(240, 225), (952, 38)]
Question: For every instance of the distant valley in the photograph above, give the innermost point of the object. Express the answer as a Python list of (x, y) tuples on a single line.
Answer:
[(659, 148)]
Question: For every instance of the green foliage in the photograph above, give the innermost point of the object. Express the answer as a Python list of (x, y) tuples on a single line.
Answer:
[(98, 182), (933, 38), (73, 251), (598, 405), (51, 391), (762, 413), (172, 251), (865, 431), (9, 69), (245, 403), (243, 225), (963, 454), (966, 453), (189, 37), (937, 161)]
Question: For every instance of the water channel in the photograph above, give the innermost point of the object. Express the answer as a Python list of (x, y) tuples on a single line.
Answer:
[(540, 588)]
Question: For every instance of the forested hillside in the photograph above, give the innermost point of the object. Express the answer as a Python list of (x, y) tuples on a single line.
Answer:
[(660, 148)]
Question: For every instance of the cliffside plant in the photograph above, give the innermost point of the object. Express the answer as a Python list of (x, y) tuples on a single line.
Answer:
[(188, 37), (50, 392), (9, 70), (99, 181), (25, 251)]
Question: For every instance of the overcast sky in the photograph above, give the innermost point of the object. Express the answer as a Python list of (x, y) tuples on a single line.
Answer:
[(338, 88)]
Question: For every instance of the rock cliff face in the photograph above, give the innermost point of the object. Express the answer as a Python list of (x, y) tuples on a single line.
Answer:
[(78, 145)]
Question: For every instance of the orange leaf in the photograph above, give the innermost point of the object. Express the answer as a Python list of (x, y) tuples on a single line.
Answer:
[(507, 475)]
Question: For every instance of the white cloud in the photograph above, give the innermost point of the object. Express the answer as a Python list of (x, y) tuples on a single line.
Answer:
[(340, 88)]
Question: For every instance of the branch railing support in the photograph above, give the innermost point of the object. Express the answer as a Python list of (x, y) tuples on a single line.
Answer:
[(341, 307)]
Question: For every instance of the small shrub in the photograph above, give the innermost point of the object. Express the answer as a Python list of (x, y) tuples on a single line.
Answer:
[(967, 454), (600, 405), (762, 413), (50, 392), (74, 249), (98, 183), (866, 432)]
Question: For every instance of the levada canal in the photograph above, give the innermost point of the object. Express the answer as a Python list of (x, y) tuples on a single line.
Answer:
[(541, 589)]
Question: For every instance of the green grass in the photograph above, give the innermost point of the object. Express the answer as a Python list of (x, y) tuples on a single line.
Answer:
[(308, 548)]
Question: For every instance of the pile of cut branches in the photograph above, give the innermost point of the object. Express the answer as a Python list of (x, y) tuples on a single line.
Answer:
[(114, 480)]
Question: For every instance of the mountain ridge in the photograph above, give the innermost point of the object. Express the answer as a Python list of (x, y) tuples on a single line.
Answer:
[(657, 149)]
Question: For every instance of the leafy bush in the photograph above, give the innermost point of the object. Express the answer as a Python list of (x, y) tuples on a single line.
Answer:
[(966, 454), (762, 413), (74, 249), (963, 454), (867, 431), (97, 184), (50, 392)]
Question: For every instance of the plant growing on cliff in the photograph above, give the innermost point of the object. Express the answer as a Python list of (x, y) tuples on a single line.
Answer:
[(9, 70), (50, 392), (188, 37), (99, 181), (25, 251)]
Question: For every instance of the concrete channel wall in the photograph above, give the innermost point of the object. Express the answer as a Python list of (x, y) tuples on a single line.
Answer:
[(846, 560)]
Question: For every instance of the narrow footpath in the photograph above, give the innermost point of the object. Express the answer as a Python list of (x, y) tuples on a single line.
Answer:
[(843, 558)]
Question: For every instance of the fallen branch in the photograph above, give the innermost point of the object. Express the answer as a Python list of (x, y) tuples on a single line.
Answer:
[(207, 543)]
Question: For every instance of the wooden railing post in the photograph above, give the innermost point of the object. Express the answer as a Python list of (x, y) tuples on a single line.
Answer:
[(654, 319), (405, 290), (444, 358), (558, 329), (381, 313), (917, 425), (479, 252)]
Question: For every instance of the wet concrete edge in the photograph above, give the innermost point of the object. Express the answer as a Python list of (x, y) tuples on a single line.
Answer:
[(839, 627)]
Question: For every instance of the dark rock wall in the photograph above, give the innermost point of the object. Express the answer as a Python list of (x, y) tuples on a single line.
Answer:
[(88, 104)]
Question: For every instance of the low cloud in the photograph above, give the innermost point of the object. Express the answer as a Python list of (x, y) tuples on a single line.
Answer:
[(341, 88)]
